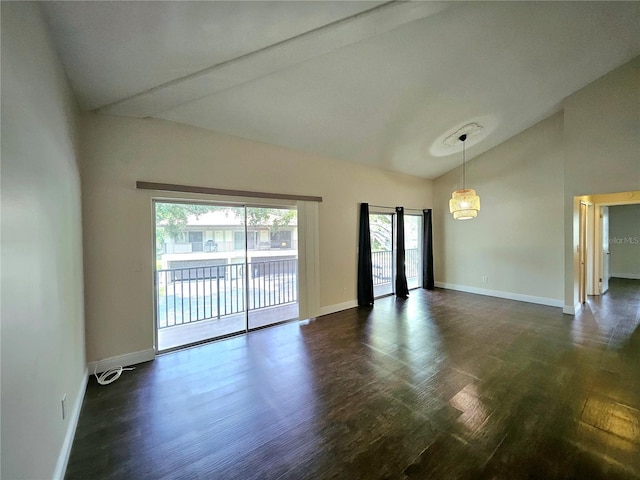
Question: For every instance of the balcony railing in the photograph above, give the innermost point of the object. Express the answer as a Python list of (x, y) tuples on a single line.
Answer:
[(187, 295), (382, 263)]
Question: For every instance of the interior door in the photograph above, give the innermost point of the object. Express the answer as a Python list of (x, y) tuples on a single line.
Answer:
[(582, 254), (605, 250)]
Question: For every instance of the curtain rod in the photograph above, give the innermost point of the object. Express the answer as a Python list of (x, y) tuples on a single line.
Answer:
[(393, 208), (170, 187)]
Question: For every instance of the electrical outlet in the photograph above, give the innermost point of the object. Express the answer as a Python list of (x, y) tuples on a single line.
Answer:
[(484, 279), (64, 406)]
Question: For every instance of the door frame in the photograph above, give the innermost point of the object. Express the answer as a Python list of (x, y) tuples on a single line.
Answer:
[(582, 252), (377, 210), (391, 213)]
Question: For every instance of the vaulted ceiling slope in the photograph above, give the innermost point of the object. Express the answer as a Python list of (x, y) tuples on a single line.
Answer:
[(380, 83)]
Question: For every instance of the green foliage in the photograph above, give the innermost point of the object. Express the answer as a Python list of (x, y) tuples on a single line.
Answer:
[(257, 216), (381, 233), (282, 218), (275, 218), (172, 218)]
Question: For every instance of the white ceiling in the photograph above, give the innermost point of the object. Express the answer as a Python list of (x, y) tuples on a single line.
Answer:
[(370, 82)]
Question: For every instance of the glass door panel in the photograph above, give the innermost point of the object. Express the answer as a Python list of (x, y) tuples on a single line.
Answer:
[(382, 262), (412, 250), (272, 265), (200, 272)]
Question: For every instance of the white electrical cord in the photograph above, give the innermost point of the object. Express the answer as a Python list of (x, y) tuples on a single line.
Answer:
[(110, 375)]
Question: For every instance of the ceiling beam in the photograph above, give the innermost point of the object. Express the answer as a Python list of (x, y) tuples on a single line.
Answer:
[(271, 59)]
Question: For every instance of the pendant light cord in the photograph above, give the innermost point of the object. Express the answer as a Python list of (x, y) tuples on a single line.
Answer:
[(464, 183)]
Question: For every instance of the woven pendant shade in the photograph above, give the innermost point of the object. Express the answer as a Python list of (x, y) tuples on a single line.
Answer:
[(464, 204)]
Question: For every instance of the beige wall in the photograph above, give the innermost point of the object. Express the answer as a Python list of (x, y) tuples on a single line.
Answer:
[(525, 185), (43, 355), (602, 150), (118, 224), (516, 240)]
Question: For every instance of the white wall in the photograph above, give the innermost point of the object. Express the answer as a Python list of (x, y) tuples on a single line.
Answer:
[(43, 354), (516, 240), (118, 220), (602, 150), (624, 241)]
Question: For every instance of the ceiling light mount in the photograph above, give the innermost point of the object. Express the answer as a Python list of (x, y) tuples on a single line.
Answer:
[(478, 129), (468, 130)]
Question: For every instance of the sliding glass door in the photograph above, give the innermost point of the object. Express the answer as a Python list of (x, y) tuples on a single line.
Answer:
[(383, 251), (272, 280), (382, 226), (222, 269)]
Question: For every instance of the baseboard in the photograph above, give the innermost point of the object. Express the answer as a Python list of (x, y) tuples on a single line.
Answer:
[(551, 302), (629, 276), (65, 451), (338, 307), (122, 360), (571, 310)]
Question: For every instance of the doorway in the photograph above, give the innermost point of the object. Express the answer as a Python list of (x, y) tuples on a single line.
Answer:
[(601, 259), (383, 251), (222, 269)]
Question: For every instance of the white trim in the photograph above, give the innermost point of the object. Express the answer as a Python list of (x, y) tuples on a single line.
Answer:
[(65, 451), (569, 310), (629, 276), (308, 260), (125, 360), (338, 307), (551, 302)]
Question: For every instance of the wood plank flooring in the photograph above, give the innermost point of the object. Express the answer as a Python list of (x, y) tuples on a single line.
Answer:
[(442, 385)]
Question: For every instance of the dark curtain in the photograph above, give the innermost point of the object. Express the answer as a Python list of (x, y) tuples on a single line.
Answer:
[(401, 277), (427, 251), (365, 272)]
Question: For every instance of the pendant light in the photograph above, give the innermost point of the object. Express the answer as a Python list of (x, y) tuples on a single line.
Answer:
[(464, 204)]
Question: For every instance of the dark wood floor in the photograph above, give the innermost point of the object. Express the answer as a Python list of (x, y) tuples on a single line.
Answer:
[(442, 385)]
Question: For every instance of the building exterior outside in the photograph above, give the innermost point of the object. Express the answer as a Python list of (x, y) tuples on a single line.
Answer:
[(218, 238)]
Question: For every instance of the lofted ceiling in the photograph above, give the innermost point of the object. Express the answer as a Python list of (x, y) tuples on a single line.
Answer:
[(379, 83)]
